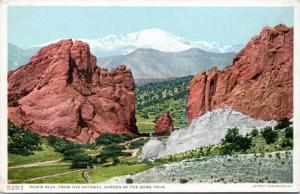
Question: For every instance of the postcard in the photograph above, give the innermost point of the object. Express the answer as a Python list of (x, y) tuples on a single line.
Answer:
[(140, 96)]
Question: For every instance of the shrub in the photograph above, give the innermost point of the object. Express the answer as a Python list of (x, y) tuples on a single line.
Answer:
[(233, 141), (289, 132), (231, 135), (82, 161), (269, 135), (115, 161), (129, 181), (112, 151), (254, 132), (183, 181), (145, 115), (72, 153), (137, 144), (287, 142), (278, 155), (22, 141), (284, 123), (115, 148), (227, 149), (61, 145), (108, 138), (244, 143)]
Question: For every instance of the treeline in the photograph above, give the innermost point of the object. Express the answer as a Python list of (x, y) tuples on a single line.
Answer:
[(22, 141)]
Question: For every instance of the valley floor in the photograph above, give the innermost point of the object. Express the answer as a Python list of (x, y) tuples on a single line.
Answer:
[(48, 166), (275, 167)]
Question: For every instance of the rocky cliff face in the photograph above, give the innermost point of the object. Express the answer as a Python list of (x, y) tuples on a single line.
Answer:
[(164, 124), (62, 92), (259, 83)]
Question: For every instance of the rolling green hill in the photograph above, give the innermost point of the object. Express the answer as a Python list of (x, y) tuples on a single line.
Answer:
[(154, 99)]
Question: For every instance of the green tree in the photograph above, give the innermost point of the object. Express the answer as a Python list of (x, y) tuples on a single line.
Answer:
[(112, 151), (61, 145), (82, 161), (269, 135), (129, 181), (283, 123), (231, 135), (22, 141), (254, 132), (233, 141), (287, 142), (289, 132), (72, 153), (110, 138)]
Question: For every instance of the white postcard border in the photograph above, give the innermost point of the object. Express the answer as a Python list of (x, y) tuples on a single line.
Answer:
[(43, 188)]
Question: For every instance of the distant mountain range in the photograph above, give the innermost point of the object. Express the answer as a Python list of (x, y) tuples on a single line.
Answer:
[(150, 63), (151, 53), (122, 44), (18, 56)]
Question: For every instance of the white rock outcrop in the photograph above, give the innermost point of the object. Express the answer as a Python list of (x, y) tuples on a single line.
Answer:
[(208, 129), (152, 149)]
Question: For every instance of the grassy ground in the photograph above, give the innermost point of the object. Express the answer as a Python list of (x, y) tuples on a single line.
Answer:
[(48, 166), (19, 175), (145, 125), (98, 174), (46, 154), (72, 177), (102, 174)]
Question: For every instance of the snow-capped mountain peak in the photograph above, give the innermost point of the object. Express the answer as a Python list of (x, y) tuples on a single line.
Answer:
[(153, 38)]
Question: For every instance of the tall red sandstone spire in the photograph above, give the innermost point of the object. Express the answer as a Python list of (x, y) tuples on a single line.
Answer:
[(259, 83), (164, 124)]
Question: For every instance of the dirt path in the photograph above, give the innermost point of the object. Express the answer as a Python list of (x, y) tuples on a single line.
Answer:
[(45, 163), (126, 143), (51, 175), (135, 152), (86, 176)]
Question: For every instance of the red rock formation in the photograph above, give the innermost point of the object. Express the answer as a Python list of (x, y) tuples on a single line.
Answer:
[(164, 124), (62, 92), (259, 83)]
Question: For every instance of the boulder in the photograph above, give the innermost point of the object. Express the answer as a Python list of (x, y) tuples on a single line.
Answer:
[(152, 149), (62, 92)]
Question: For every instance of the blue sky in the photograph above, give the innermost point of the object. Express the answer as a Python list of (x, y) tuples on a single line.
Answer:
[(34, 25)]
